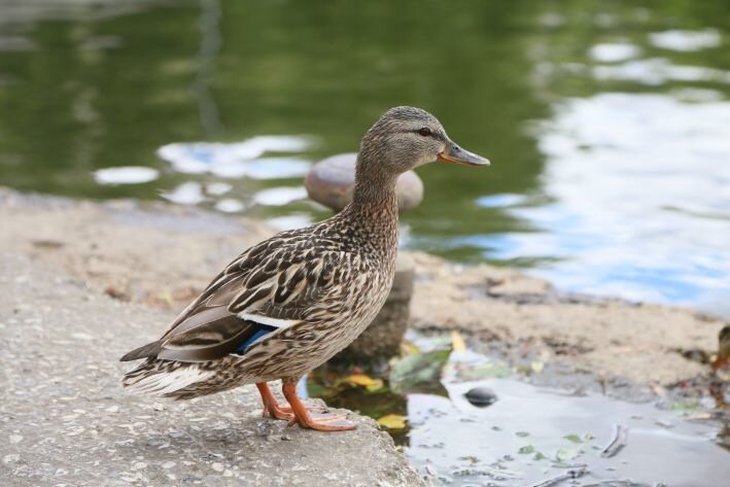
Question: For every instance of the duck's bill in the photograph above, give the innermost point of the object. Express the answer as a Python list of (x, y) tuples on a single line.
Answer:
[(456, 155)]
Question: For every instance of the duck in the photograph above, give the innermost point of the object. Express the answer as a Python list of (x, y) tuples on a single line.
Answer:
[(289, 303)]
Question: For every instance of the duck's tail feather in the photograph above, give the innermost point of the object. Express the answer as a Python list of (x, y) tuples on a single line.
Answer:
[(164, 377), (146, 351)]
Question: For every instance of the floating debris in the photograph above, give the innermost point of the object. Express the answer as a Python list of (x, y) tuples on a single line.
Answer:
[(619, 440), (393, 421), (419, 372), (572, 474)]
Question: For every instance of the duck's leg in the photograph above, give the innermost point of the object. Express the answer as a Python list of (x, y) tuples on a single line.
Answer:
[(271, 405), (304, 418)]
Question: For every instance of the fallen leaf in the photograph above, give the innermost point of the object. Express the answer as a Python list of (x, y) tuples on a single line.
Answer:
[(419, 372), (685, 405), (526, 449), (565, 454), (537, 367), (363, 380), (468, 372), (457, 342), (393, 421), (574, 438)]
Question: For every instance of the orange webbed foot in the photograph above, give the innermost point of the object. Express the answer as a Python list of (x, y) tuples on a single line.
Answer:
[(316, 421)]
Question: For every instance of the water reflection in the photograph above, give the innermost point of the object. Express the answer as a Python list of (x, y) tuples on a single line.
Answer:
[(641, 197)]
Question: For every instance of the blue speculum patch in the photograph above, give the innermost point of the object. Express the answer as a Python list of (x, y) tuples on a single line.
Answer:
[(259, 332)]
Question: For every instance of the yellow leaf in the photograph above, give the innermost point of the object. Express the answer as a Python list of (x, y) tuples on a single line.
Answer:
[(363, 380), (457, 343), (537, 366), (393, 421)]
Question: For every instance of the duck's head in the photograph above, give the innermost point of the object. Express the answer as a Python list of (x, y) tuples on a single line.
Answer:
[(407, 137)]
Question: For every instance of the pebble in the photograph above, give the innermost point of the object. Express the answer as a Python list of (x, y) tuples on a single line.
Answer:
[(481, 396)]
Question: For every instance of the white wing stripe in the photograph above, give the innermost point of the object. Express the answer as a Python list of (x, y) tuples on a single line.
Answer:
[(266, 320)]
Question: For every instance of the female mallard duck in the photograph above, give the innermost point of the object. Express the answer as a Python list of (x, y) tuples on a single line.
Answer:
[(289, 303)]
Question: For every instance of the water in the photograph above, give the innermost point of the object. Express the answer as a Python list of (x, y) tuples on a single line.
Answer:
[(607, 122), (532, 433)]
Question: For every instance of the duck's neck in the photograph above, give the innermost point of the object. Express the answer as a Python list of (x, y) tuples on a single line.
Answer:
[(374, 207)]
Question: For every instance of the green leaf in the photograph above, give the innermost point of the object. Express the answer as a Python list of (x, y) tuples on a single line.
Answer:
[(419, 372), (526, 450), (574, 438), (566, 454)]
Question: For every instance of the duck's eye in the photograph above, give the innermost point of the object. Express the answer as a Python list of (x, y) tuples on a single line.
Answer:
[(425, 131)]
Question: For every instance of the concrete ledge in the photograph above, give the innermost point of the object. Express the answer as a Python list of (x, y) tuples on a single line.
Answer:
[(67, 421)]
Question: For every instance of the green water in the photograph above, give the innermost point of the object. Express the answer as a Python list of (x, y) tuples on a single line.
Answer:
[(90, 87)]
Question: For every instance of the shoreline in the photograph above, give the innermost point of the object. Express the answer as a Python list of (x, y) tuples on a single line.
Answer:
[(161, 255)]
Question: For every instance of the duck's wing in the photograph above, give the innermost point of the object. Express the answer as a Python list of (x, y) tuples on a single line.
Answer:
[(271, 286)]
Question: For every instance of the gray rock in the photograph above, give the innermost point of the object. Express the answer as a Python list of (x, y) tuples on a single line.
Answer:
[(332, 180), (481, 396), (67, 421)]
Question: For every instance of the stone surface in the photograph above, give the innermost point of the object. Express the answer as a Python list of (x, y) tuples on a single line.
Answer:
[(66, 420), (332, 180)]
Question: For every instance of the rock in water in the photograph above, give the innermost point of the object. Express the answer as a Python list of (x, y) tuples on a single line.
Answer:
[(481, 396), (332, 180)]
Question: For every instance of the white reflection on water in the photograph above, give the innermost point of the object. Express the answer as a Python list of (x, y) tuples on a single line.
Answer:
[(640, 186), (614, 52), (686, 40), (234, 159), (657, 71), (125, 175)]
